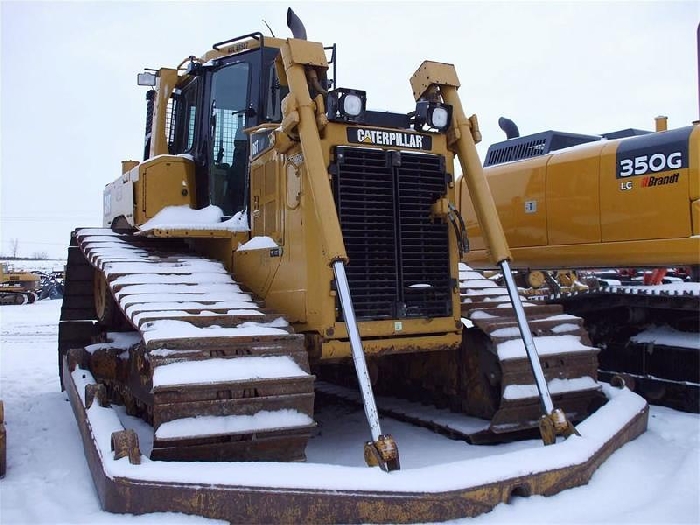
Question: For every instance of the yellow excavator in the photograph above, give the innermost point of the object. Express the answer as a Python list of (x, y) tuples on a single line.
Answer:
[(625, 199), (278, 236)]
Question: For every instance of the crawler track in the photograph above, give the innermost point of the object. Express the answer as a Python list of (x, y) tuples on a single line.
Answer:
[(623, 321), (490, 376), (503, 390), (173, 338)]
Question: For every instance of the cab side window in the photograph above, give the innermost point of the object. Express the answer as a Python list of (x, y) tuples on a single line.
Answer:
[(184, 115)]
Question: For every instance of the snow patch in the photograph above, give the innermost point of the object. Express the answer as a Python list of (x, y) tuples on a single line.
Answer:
[(665, 335), (217, 425), (258, 243), (555, 386), (546, 345), (223, 370), (171, 329)]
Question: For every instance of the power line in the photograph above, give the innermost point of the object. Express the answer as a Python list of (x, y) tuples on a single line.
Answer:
[(72, 218)]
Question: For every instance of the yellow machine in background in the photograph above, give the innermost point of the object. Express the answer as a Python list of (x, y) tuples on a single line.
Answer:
[(628, 199), (18, 287), (577, 201)]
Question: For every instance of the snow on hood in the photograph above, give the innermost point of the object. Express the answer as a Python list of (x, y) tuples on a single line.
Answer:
[(185, 218)]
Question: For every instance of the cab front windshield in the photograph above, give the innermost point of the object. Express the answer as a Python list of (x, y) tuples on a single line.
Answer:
[(229, 144)]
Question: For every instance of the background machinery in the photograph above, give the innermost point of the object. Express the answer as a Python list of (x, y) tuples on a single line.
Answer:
[(18, 287), (629, 199)]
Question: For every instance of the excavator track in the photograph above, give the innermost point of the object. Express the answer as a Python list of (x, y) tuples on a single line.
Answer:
[(649, 336), (174, 339)]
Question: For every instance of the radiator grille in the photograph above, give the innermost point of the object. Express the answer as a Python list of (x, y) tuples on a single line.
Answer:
[(399, 258)]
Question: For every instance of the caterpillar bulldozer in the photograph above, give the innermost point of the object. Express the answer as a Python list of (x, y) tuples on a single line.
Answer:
[(277, 236), (627, 199), (17, 287)]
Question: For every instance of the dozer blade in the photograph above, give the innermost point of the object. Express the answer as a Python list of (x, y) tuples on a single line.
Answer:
[(308, 493)]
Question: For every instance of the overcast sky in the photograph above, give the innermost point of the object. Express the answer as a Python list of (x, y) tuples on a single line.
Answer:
[(71, 109)]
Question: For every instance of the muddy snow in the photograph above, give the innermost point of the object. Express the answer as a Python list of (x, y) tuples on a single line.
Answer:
[(654, 479)]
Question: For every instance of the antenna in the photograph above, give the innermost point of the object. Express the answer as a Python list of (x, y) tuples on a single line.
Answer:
[(269, 28)]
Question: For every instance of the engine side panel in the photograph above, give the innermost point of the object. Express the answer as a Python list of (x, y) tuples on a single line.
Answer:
[(631, 201), (645, 187)]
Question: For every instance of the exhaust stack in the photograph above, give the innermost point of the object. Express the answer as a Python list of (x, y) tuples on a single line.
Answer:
[(295, 25), (509, 128)]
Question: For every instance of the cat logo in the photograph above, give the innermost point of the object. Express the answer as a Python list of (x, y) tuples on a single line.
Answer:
[(399, 139)]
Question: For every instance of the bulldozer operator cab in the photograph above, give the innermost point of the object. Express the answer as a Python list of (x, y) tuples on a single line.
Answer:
[(209, 112)]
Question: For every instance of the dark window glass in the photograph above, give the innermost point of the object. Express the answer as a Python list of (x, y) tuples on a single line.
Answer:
[(229, 143)]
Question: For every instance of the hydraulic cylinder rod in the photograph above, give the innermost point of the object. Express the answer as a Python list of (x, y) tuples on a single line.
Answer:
[(427, 78), (382, 450), (297, 56), (358, 354)]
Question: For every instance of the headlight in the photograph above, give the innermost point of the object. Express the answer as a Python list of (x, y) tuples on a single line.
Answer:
[(346, 104), (433, 115), (351, 104), (440, 118)]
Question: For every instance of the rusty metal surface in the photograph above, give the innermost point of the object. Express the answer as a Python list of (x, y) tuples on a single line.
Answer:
[(238, 504)]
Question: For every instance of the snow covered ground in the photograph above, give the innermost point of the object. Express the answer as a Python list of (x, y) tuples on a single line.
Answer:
[(655, 479)]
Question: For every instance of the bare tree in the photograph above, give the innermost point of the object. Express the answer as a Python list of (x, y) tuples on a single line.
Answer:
[(40, 255), (14, 246)]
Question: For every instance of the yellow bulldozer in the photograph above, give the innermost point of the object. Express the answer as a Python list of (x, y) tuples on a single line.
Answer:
[(278, 236), (18, 287), (625, 199)]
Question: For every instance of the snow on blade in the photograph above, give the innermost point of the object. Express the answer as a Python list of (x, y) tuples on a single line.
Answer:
[(222, 370), (546, 345), (595, 431), (216, 425)]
